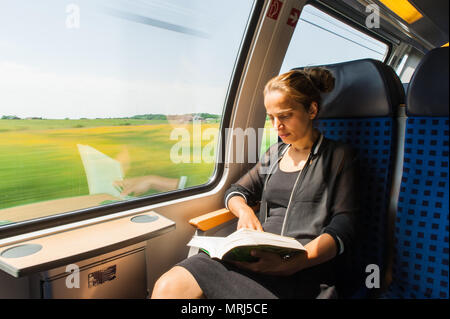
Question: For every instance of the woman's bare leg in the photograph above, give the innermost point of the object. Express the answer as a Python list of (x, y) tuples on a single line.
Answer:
[(177, 283)]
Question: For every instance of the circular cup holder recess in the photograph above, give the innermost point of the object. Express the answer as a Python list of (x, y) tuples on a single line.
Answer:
[(21, 251), (144, 219)]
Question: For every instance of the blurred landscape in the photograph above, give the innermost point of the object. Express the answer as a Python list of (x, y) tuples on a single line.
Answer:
[(39, 159)]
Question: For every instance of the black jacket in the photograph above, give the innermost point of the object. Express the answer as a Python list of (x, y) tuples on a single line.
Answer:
[(324, 199)]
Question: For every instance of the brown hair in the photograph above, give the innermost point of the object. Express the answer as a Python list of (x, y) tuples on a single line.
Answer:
[(304, 86)]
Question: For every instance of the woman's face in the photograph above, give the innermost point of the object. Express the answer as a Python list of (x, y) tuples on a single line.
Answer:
[(289, 118)]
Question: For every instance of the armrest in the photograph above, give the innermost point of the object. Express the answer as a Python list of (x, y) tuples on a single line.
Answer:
[(213, 219), (210, 220)]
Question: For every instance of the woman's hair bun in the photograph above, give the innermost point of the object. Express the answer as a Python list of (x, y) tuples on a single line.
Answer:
[(322, 78)]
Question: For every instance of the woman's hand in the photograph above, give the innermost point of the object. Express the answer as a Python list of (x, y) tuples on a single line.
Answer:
[(273, 264), (319, 250), (134, 186), (248, 219), (245, 214)]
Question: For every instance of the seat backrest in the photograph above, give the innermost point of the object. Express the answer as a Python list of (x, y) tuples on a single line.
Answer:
[(420, 265), (359, 112)]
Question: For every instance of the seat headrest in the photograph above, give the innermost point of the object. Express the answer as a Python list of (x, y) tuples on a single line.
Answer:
[(428, 89), (363, 88)]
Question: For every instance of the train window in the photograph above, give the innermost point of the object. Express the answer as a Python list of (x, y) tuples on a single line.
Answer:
[(100, 99), (408, 64), (321, 39), (269, 137)]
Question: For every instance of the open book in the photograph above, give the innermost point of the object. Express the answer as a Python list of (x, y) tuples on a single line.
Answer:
[(101, 171), (239, 244)]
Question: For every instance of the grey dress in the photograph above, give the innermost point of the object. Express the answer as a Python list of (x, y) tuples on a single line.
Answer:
[(219, 279)]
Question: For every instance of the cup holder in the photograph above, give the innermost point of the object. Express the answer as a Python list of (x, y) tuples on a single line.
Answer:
[(144, 219), (21, 251)]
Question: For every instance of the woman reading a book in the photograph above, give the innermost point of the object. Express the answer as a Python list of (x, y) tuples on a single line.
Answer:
[(307, 188)]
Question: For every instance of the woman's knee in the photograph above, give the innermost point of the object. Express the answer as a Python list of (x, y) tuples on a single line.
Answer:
[(177, 283)]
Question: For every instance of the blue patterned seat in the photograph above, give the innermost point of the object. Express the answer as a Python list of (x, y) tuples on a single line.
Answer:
[(420, 265), (359, 112)]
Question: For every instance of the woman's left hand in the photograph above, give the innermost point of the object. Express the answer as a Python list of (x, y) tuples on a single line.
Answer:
[(272, 264)]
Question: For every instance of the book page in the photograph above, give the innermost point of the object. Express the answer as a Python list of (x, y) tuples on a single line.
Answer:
[(239, 244), (101, 171), (263, 238), (210, 244)]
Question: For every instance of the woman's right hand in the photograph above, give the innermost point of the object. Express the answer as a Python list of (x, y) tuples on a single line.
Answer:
[(246, 215), (248, 219)]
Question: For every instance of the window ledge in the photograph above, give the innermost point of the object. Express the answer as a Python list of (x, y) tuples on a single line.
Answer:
[(65, 247)]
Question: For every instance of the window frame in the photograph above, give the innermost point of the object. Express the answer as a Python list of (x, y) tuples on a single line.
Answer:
[(28, 226), (344, 19)]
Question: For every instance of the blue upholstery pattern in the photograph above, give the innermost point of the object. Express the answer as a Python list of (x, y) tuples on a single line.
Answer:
[(372, 138), (420, 267), (359, 112)]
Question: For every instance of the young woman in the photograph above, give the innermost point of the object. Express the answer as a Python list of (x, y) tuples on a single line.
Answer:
[(308, 191)]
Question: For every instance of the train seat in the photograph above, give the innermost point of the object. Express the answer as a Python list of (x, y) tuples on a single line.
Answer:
[(360, 112), (420, 264)]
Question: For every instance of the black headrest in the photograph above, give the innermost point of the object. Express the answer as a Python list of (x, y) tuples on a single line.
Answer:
[(363, 88), (428, 89)]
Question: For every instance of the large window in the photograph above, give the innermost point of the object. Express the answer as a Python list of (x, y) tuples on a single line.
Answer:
[(408, 64), (104, 101), (321, 39)]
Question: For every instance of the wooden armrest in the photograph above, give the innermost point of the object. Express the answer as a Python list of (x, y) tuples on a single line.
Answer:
[(213, 219)]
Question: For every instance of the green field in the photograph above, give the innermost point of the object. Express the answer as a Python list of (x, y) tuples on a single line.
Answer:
[(39, 159), (25, 125)]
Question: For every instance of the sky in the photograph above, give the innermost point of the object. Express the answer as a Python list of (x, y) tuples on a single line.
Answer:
[(81, 58)]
